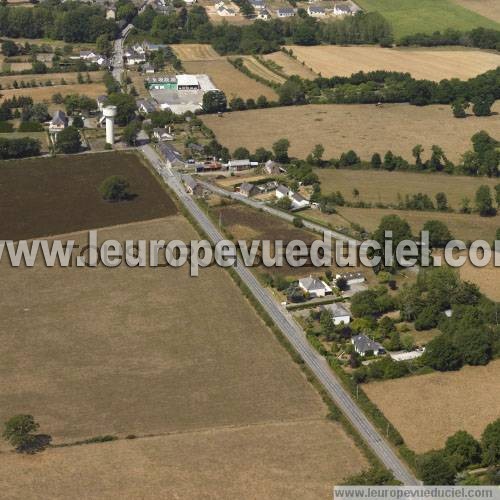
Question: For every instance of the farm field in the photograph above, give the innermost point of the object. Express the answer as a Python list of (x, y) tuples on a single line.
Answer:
[(293, 460), (55, 78), (427, 409), (44, 94), (373, 185), (195, 52), (257, 68), (227, 78), (290, 66), (486, 278), (426, 16), (462, 226), (430, 64), (365, 128), (487, 8), (48, 196), (41, 136)]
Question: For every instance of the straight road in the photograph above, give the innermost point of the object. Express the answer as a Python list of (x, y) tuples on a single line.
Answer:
[(259, 205), (293, 332)]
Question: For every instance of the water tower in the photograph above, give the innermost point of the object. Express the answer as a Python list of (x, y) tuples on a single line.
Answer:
[(109, 113)]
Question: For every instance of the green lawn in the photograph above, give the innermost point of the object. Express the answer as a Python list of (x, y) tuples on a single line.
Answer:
[(426, 16)]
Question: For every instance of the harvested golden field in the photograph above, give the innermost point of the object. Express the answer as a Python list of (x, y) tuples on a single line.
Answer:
[(291, 66), (427, 409), (383, 186), (227, 78), (293, 460), (117, 351), (40, 94), (487, 8), (486, 278), (257, 68), (55, 78), (195, 52), (365, 128), (462, 226), (428, 63)]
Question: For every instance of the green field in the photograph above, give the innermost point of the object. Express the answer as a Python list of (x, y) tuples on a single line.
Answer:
[(426, 16)]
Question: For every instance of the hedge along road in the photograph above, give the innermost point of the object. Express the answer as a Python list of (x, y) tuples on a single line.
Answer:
[(292, 332)]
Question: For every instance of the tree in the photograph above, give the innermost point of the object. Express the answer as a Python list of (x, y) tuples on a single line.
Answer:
[(441, 354), (214, 101), (317, 154), (497, 194), (9, 48), (417, 154), (459, 108), (481, 105), (241, 153), (490, 442), (484, 201), (292, 92), (400, 231), (475, 345), (427, 318), (115, 188), (19, 431), (78, 122), (376, 161), (441, 202), (68, 140), (284, 203), (280, 149), (126, 107), (439, 234), (103, 44), (130, 132), (463, 449), (435, 469)]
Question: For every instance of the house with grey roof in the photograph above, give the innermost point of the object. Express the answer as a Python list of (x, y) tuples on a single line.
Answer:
[(162, 134), (364, 345), (192, 187), (282, 191), (271, 168), (339, 312), (285, 12), (314, 287), (146, 106), (237, 165), (299, 202), (316, 11), (342, 10), (171, 155), (59, 122), (248, 189)]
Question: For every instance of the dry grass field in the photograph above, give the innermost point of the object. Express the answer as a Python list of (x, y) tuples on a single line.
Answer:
[(257, 68), (383, 186), (55, 78), (293, 460), (291, 66), (462, 226), (44, 94), (429, 408), (486, 8), (365, 128), (486, 278), (195, 52), (43, 196), (227, 78), (430, 64)]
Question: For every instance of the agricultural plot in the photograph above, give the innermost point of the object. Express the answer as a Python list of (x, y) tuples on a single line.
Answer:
[(383, 186), (195, 52), (427, 409), (365, 128), (486, 8), (41, 136), (42, 196), (426, 16), (227, 78), (295, 460), (486, 278), (291, 66), (430, 64), (55, 78), (44, 94), (257, 68)]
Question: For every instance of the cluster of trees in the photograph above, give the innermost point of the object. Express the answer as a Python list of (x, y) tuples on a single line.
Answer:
[(19, 148), (480, 37), (115, 188), (463, 451), (69, 21)]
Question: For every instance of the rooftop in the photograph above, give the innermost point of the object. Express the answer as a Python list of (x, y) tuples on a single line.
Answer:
[(362, 343)]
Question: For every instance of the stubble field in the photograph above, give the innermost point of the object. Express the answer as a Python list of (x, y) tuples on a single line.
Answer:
[(195, 52), (44, 94), (427, 409), (365, 128), (55, 78), (48, 196), (291, 66), (430, 64), (487, 8)]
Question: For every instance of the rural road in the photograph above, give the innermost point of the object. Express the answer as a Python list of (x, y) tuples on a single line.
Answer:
[(259, 205), (292, 331)]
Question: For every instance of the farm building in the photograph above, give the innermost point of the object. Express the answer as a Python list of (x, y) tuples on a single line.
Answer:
[(187, 82), (238, 165), (161, 83), (314, 287), (364, 345)]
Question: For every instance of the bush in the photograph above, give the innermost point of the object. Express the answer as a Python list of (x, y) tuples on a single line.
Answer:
[(115, 188), (30, 127), (298, 222), (6, 127)]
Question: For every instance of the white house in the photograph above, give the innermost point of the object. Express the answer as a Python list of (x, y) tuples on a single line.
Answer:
[(225, 11), (59, 122), (285, 12), (282, 192), (237, 165), (340, 313), (263, 14), (316, 11), (298, 201), (134, 57), (87, 55), (342, 10), (364, 345), (162, 134), (111, 13), (314, 287)]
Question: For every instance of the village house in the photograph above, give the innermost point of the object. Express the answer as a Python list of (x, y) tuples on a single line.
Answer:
[(59, 122), (134, 58), (282, 192), (316, 11), (298, 202), (146, 106), (247, 189), (271, 168), (111, 13), (171, 155), (342, 10), (163, 134), (263, 14), (314, 287), (148, 68), (238, 165), (339, 312), (225, 11), (285, 12), (192, 187), (364, 345)]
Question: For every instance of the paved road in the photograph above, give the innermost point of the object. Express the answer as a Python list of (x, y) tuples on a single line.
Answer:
[(118, 53), (293, 333), (277, 213)]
